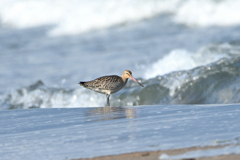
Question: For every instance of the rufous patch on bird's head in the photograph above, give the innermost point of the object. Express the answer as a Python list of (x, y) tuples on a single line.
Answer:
[(127, 74)]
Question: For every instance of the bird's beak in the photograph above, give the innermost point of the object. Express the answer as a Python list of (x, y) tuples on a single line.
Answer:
[(136, 81)]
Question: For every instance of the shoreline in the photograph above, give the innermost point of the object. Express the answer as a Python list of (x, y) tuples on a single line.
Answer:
[(154, 155)]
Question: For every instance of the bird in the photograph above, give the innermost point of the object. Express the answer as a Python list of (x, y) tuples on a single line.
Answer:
[(109, 84)]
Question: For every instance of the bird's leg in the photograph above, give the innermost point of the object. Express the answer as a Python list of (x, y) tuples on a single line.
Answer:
[(108, 103)]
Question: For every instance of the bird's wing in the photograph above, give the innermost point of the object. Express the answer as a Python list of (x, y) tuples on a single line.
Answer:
[(108, 82)]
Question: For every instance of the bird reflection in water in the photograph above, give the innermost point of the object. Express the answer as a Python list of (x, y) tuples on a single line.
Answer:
[(110, 113)]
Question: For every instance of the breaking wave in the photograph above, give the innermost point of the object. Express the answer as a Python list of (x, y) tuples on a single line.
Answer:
[(210, 76), (80, 16), (38, 95), (208, 13), (216, 82), (180, 59)]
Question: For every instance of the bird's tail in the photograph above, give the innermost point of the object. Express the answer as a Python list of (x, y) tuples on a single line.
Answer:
[(82, 83)]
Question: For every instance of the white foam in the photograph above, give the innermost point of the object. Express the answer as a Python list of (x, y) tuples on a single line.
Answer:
[(180, 59), (42, 98), (204, 153), (164, 157), (208, 12), (85, 98), (76, 16)]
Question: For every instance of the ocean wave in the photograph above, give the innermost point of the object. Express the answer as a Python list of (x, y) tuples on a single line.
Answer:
[(38, 95), (208, 13), (80, 16), (180, 59), (216, 82)]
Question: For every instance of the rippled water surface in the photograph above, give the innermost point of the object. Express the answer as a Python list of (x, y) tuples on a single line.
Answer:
[(67, 133)]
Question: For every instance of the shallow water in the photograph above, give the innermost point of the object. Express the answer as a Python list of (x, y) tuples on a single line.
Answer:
[(88, 132), (233, 149)]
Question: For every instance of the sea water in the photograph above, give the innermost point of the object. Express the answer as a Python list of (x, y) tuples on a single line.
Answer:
[(67, 133), (182, 51)]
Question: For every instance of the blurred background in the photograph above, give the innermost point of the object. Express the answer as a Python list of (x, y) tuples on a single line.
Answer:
[(183, 51)]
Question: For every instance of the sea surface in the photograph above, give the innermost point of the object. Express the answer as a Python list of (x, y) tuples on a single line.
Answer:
[(185, 52), (68, 133)]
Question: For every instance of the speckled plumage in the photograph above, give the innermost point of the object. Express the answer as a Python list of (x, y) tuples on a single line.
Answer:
[(109, 84), (105, 84)]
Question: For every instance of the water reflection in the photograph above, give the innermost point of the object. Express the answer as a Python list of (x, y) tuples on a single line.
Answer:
[(110, 113)]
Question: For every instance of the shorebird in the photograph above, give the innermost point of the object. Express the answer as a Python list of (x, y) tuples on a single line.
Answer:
[(109, 84)]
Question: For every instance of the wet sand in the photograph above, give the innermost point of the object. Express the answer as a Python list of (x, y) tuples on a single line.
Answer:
[(154, 155)]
